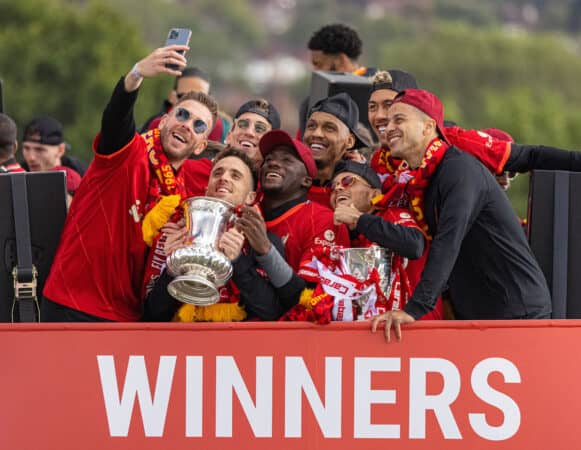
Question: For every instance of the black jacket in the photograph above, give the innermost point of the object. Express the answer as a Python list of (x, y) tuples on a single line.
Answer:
[(478, 246)]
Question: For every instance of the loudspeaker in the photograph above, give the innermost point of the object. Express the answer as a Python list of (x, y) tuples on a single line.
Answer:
[(46, 192), (554, 223), (327, 84)]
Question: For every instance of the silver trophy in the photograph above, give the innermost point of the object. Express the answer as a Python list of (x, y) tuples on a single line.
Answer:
[(359, 262), (200, 268)]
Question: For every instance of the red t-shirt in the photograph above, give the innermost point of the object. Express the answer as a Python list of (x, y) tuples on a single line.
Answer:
[(413, 267), (98, 267), (100, 262), (304, 230)]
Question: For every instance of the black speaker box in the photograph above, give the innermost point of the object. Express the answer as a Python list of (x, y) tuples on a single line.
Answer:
[(46, 192), (554, 227), (327, 84)]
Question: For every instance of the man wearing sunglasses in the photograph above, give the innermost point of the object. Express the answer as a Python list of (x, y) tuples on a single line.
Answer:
[(192, 79), (354, 188), (252, 120), (130, 190)]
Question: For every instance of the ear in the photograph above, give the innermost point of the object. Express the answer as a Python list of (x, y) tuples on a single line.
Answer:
[(172, 97), (350, 141), (200, 147), (61, 149), (374, 193), (228, 138), (307, 182), (430, 127), (162, 121), (250, 198), (343, 63)]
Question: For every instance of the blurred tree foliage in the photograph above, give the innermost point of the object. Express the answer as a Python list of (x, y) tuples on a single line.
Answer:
[(525, 84), (63, 57), (63, 60)]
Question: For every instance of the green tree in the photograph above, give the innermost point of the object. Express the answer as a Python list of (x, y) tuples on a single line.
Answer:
[(65, 61)]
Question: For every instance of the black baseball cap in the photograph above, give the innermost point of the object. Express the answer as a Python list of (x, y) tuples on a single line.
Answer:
[(361, 169), (344, 108), (44, 130), (262, 108)]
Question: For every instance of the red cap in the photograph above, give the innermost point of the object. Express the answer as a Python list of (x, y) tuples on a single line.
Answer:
[(426, 102), (73, 178), (274, 138)]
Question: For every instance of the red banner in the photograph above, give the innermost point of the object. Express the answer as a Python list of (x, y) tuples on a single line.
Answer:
[(447, 385)]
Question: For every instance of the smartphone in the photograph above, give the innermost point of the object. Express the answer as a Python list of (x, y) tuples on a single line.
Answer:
[(178, 36)]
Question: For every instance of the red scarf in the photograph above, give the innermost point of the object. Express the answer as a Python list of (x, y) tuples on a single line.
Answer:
[(404, 186), (165, 182)]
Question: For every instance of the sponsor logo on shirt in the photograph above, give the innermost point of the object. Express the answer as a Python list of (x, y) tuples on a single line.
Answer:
[(329, 235)]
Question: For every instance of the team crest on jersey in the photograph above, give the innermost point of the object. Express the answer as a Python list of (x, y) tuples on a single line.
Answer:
[(329, 235), (405, 215), (134, 211)]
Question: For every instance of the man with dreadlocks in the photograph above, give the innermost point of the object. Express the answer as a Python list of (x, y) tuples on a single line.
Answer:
[(477, 245)]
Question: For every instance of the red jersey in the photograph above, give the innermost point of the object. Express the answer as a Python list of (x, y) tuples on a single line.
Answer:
[(413, 267), (304, 230), (320, 195), (196, 173), (100, 262)]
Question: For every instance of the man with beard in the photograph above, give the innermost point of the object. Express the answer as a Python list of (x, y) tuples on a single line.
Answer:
[(330, 132), (263, 285), (306, 228), (354, 193), (134, 180), (477, 245), (496, 150)]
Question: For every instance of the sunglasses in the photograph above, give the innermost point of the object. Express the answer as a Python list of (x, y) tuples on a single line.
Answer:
[(259, 127), (347, 181), (183, 115)]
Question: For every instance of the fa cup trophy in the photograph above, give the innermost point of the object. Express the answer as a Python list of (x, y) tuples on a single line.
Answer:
[(200, 268)]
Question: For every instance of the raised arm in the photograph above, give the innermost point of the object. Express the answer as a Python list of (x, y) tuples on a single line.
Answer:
[(118, 123)]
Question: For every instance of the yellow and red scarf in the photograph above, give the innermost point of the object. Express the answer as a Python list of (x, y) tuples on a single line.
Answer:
[(404, 186), (165, 193)]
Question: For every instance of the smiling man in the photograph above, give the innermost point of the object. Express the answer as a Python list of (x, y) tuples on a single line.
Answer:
[(331, 130), (355, 192), (252, 121), (263, 285), (305, 227), (478, 248), (133, 183)]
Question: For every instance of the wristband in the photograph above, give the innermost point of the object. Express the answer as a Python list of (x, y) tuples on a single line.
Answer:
[(135, 73)]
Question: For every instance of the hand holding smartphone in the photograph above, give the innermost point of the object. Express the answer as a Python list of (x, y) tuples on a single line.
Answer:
[(177, 36)]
